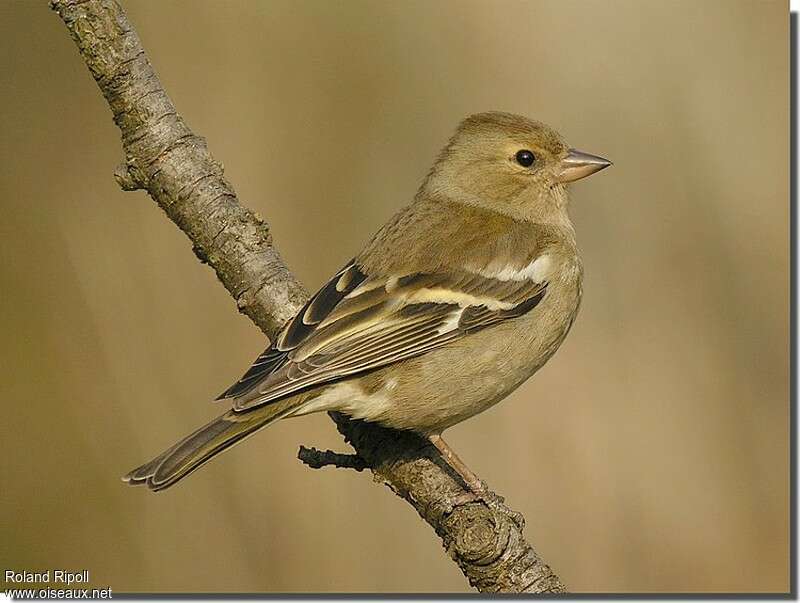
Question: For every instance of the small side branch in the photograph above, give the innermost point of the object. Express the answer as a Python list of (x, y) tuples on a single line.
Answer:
[(317, 459)]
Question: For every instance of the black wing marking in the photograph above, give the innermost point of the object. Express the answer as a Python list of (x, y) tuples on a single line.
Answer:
[(319, 306), (298, 329), (475, 318)]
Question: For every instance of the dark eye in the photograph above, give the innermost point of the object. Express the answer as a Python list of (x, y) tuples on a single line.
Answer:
[(525, 158)]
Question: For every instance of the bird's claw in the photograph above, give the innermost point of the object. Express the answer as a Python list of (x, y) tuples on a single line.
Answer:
[(477, 493), (488, 498)]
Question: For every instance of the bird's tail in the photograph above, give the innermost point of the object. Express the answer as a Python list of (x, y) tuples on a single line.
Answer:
[(196, 449)]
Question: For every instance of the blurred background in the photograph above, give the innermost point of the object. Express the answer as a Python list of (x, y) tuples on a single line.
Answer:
[(655, 443)]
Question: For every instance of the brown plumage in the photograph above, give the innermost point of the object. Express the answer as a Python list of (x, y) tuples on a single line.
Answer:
[(457, 300)]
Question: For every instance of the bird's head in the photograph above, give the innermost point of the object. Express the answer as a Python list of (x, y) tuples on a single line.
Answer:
[(509, 163)]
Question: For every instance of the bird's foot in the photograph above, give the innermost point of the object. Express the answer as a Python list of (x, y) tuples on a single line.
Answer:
[(494, 501)]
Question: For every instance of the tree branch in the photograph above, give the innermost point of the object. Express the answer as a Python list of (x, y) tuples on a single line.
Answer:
[(165, 158)]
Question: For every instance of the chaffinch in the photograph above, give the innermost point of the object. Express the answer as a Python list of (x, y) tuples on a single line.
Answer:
[(453, 304)]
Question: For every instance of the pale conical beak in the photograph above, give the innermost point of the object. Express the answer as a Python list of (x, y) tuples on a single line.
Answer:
[(577, 165)]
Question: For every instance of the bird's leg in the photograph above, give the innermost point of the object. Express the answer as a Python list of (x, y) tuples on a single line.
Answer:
[(472, 481), (477, 490)]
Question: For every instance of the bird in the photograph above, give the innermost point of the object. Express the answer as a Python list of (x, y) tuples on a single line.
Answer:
[(454, 303)]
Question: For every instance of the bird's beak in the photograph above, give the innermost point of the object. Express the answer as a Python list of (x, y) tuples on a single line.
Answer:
[(577, 165)]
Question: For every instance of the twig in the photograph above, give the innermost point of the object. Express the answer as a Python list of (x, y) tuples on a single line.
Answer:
[(317, 459), (164, 157)]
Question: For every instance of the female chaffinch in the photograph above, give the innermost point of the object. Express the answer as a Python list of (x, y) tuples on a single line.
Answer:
[(452, 305)]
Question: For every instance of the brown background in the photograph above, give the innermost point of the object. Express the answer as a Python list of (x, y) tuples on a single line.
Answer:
[(651, 454)]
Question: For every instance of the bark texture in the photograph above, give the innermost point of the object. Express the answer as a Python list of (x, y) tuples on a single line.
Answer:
[(165, 158)]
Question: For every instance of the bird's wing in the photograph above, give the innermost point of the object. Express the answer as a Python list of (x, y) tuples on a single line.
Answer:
[(358, 323), (304, 322)]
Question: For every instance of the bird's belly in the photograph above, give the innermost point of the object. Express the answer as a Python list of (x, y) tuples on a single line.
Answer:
[(450, 384)]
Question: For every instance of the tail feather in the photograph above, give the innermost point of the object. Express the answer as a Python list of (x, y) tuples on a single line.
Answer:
[(199, 447)]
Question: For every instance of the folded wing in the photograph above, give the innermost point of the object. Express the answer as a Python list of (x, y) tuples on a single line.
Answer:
[(357, 323)]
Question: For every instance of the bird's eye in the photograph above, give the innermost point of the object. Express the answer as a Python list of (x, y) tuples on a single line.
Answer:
[(525, 158)]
